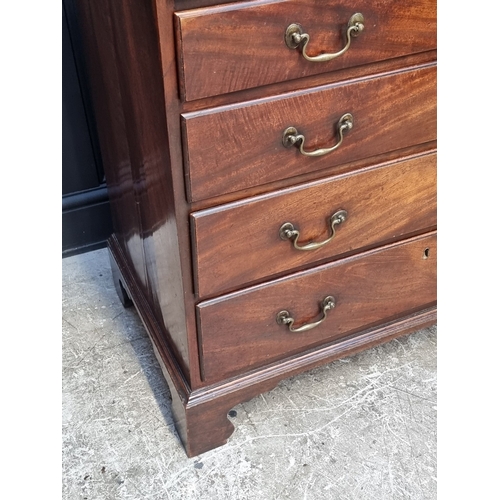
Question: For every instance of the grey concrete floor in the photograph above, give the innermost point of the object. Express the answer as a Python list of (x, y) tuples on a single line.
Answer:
[(359, 428)]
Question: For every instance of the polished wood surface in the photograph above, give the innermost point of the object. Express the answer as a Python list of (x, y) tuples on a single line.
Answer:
[(307, 177), (241, 45), (239, 146), (195, 4), (239, 331), (104, 79), (159, 149), (200, 415), (128, 86), (309, 82), (239, 243)]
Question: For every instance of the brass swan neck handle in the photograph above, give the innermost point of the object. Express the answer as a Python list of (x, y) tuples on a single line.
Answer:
[(288, 232), (291, 137), (295, 37), (284, 318)]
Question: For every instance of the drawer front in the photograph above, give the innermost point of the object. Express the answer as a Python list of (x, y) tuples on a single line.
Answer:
[(240, 242), (240, 331), (239, 46), (231, 148)]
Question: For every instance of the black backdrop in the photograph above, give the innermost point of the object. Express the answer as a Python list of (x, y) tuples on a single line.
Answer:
[(86, 218)]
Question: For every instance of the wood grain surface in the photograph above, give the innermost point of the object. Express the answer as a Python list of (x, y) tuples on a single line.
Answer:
[(239, 243), (234, 147), (239, 331), (191, 107), (127, 82), (241, 45), (200, 415)]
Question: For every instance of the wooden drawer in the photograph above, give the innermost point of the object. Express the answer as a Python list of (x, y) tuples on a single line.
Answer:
[(239, 331), (239, 243), (237, 46), (200, 183), (230, 148)]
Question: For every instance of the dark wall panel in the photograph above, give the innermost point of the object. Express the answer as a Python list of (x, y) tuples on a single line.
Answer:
[(86, 218), (79, 165)]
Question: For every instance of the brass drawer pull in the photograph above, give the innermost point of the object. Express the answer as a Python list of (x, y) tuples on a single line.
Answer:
[(291, 137), (295, 36), (287, 232), (284, 318)]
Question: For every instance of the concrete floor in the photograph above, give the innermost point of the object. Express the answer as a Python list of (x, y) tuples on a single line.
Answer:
[(359, 428)]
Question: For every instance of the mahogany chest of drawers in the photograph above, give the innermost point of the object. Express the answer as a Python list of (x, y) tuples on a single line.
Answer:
[(272, 172)]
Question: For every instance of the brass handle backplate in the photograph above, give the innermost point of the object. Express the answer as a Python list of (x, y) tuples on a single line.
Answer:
[(288, 232), (291, 137), (284, 318), (295, 37)]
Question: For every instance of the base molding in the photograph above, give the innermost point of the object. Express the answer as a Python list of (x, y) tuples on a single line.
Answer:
[(200, 415), (86, 221)]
